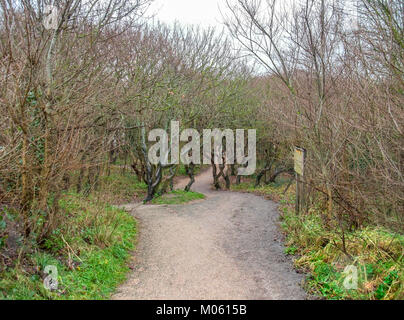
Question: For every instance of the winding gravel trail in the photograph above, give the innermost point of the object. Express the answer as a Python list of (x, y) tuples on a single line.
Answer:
[(225, 247)]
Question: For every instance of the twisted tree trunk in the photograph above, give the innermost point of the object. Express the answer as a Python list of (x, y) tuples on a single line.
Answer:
[(277, 172), (267, 167), (190, 172)]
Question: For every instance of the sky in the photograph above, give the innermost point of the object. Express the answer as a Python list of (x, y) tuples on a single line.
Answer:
[(201, 12)]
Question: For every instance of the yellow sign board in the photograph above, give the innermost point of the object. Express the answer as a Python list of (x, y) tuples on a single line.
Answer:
[(299, 160)]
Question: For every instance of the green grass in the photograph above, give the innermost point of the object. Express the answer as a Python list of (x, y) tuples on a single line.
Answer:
[(377, 253), (290, 251), (182, 172), (118, 188), (90, 249), (178, 197), (273, 191)]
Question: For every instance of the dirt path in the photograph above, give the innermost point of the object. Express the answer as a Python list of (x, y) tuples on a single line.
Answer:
[(225, 247)]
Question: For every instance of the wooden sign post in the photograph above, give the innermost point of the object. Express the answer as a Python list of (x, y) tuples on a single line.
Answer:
[(300, 159)]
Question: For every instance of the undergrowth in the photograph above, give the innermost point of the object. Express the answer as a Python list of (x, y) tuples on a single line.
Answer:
[(375, 252), (120, 187), (90, 248)]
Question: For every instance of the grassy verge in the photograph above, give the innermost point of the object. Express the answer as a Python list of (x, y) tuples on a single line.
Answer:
[(183, 173), (375, 252), (120, 188), (178, 197), (91, 248)]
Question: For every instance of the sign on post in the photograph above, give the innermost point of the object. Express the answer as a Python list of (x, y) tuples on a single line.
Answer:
[(300, 159)]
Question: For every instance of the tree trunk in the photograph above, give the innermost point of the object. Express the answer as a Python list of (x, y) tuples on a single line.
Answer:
[(225, 173), (190, 172), (277, 172), (262, 173), (168, 182)]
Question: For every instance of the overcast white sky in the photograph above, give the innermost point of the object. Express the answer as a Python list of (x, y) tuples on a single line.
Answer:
[(201, 12)]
